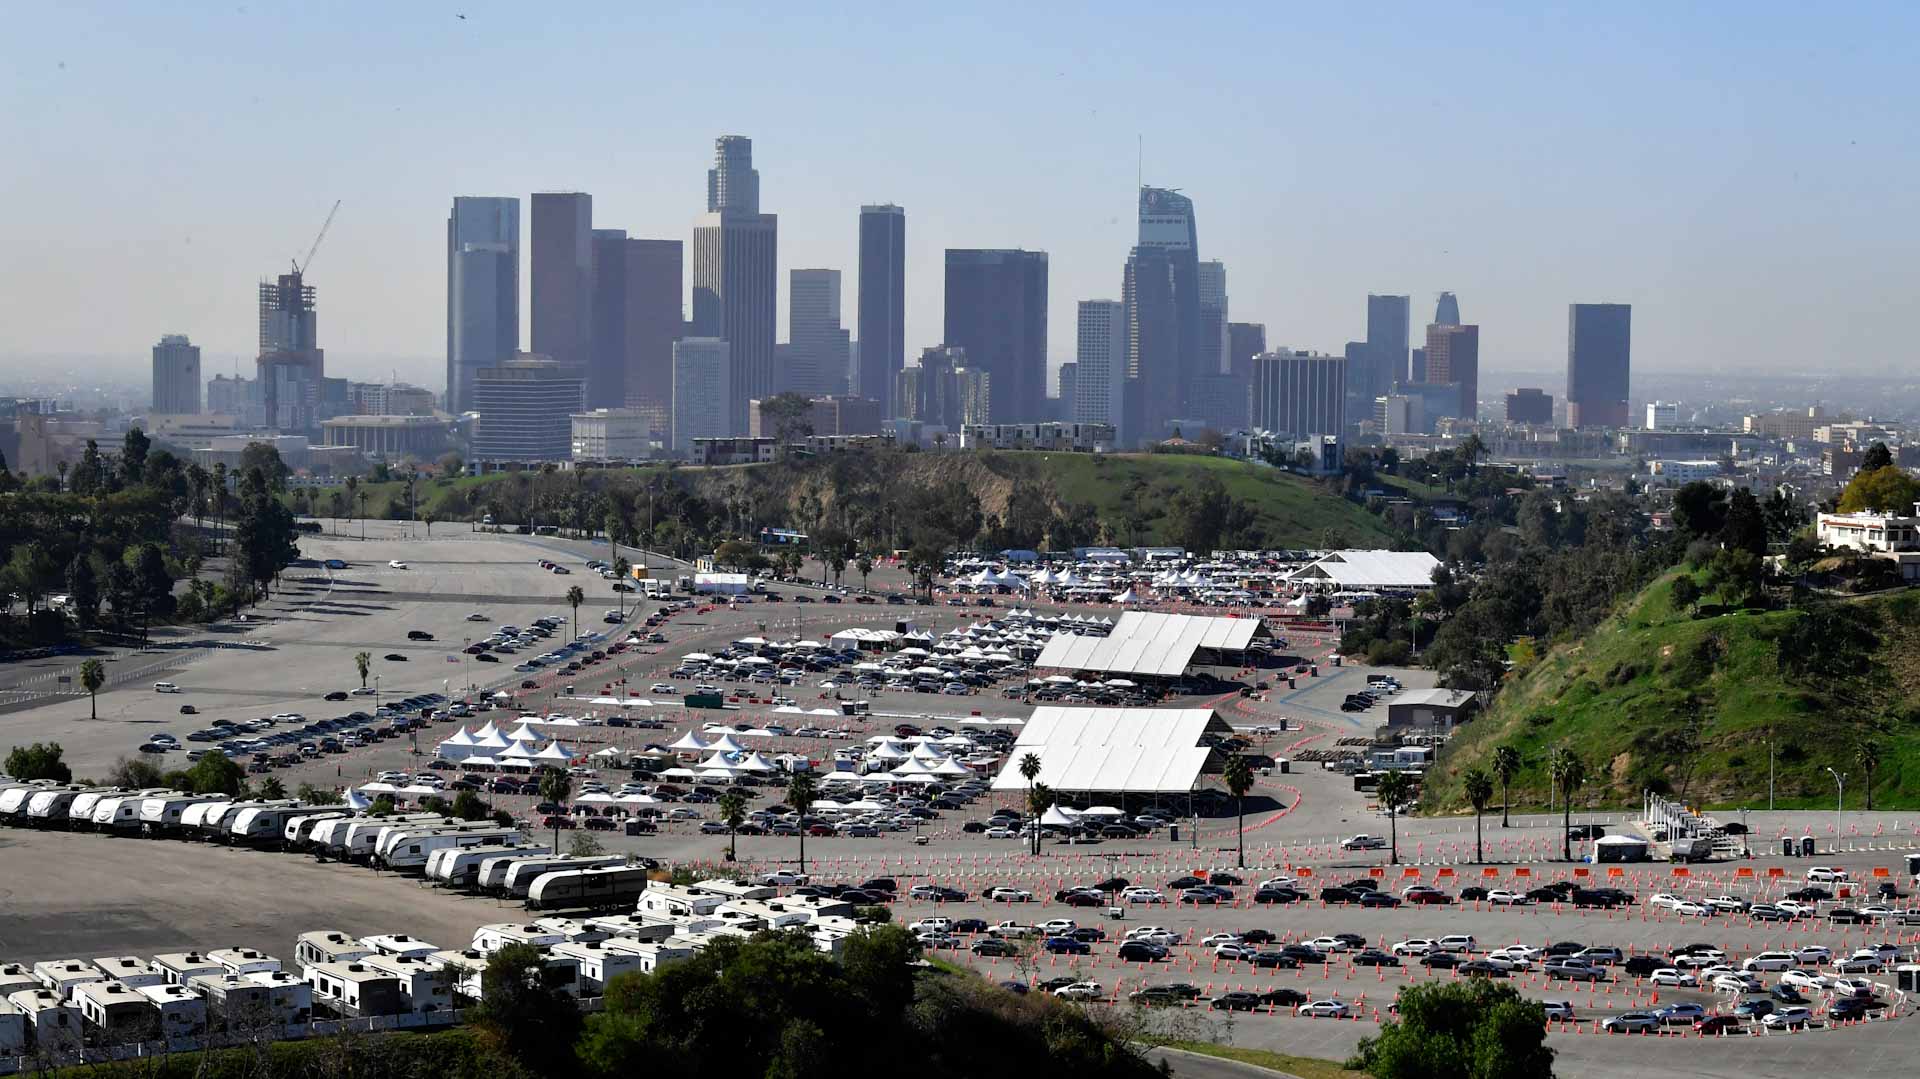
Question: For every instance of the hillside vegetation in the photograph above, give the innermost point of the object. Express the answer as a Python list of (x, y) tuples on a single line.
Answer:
[(1680, 700)]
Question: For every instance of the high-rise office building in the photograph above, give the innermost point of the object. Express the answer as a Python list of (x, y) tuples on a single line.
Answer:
[(818, 367), (1100, 363), (1166, 357), (1417, 366), (1446, 310), (176, 376), (1389, 321), (483, 291), (1599, 363), (291, 363), (562, 277), (1299, 394), (1245, 340), (636, 318), (883, 301), (1151, 396), (1453, 356), (1213, 319), (702, 391), (735, 276), (526, 408), (1530, 404), (1662, 415), (1363, 377), (996, 309), (1066, 388)]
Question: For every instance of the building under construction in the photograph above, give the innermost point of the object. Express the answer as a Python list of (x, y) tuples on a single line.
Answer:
[(291, 362)]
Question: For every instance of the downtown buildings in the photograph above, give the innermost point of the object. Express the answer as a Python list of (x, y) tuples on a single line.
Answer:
[(881, 323), (483, 291), (176, 376), (1599, 363), (996, 310), (735, 279)]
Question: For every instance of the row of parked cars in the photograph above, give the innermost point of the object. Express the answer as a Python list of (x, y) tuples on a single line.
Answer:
[(274, 741)]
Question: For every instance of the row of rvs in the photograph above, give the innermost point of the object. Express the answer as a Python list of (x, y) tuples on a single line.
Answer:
[(61, 1006)]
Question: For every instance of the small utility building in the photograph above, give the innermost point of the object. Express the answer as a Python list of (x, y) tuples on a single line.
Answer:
[(1429, 709)]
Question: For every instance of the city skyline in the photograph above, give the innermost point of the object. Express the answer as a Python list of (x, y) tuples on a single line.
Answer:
[(1673, 205)]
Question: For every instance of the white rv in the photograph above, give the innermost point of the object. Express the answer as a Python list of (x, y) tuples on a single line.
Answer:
[(183, 1012), (13, 1030), (177, 967), (261, 824), (600, 888), (489, 939), (13, 797), (635, 926), (47, 806), (80, 810), (458, 866), (121, 812), (121, 1014), (234, 1000), (492, 876), (130, 971), (397, 838), (356, 989), (160, 815), (299, 828), (467, 965), (64, 975), (53, 1025), (358, 840), (574, 930), (410, 853), (194, 822), (426, 983), (292, 997), (521, 875), (244, 960), (15, 977), (601, 963), (397, 944), (327, 946)]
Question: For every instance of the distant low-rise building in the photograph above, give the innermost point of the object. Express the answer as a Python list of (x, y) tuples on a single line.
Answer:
[(733, 451), (1870, 531), (614, 434), (387, 436), (1679, 472), (1061, 437), (1440, 709), (1530, 404)]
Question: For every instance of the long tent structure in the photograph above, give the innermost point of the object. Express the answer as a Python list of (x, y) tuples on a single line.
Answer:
[(1153, 644), (1116, 750), (1368, 570)]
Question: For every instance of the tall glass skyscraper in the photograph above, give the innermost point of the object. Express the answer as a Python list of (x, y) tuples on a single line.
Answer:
[(996, 309), (882, 319), (1164, 352), (483, 291), (562, 272), (735, 280), (1599, 363)]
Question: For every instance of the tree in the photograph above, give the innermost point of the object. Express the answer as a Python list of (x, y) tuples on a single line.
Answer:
[(1699, 510), (1506, 765), (41, 760), (215, 773), (263, 456), (30, 573), (789, 416), (1878, 456), (1473, 1028), (83, 590), (468, 806), (800, 795), (272, 789), (264, 534), (1867, 755), (733, 813), (1479, 789), (1883, 490), (523, 1008), (1568, 772), (585, 845), (1473, 449), (1746, 525), (93, 675), (1239, 779), (575, 597), (865, 565), (1394, 791), (135, 773), (1030, 771), (1686, 592), (133, 455), (363, 662), (555, 787), (323, 796)]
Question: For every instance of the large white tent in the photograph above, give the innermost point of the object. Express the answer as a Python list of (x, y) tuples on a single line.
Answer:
[(1350, 570), (1126, 750), (1150, 643)]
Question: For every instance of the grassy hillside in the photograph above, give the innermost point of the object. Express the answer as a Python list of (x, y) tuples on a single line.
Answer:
[(1659, 697), (1292, 512)]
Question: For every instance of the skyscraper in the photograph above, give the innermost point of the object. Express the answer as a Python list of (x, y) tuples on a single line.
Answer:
[(1167, 230), (735, 279), (636, 317), (526, 407), (1453, 356), (819, 364), (176, 376), (883, 301), (483, 291), (1213, 318), (1151, 396), (701, 394), (1245, 340), (1299, 394), (1599, 363), (1100, 363), (996, 309), (291, 363), (562, 272), (1529, 404), (1389, 321), (606, 369), (1446, 310)]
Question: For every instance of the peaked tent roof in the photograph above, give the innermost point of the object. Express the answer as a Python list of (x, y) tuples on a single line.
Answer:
[(1171, 728), (1149, 642)]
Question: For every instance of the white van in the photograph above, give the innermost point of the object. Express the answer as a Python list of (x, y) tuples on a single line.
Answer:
[(165, 687)]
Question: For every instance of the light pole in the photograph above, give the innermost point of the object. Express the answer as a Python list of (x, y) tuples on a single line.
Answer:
[(376, 695), (466, 661), (1770, 769), (1839, 797)]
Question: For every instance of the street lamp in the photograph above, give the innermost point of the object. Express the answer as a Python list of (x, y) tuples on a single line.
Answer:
[(376, 694), (1840, 793)]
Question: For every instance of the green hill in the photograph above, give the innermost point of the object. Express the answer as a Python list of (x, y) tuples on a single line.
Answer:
[(1684, 703), (1118, 491)]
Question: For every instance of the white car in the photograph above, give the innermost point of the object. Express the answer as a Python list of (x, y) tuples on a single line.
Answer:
[(1811, 980), (1671, 977), (1363, 841), (1692, 910), (1797, 908), (932, 925), (1013, 929), (396, 564), (1328, 945), (165, 687), (1736, 983), (1518, 951), (1725, 904), (1769, 962), (1217, 939), (1335, 1009), (783, 878), (1850, 987), (1010, 895), (1162, 937), (1008, 833), (1081, 991), (1865, 961), (1697, 961), (1143, 895), (1508, 962), (1059, 927), (1785, 1018), (1664, 900), (1826, 874), (1814, 953), (1501, 897), (1456, 942), (1414, 946), (1280, 882), (476, 617)]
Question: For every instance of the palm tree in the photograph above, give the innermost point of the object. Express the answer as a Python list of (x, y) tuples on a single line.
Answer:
[(1030, 771), (575, 598), (1395, 790), (272, 789), (1473, 449), (800, 794), (1479, 789), (1568, 772), (1867, 753), (733, 813), (353, 485), (1239, 777), (93, 675), (363, 515), (1506, 765), (363, 661), (555, 787)]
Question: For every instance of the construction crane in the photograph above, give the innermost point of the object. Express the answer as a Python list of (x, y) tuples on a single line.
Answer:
[(301, 266)]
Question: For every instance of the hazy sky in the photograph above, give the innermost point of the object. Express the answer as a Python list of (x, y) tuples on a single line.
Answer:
[(1743, 173)]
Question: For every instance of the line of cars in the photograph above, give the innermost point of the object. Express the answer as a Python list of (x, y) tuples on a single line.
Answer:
[(275, 742)]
